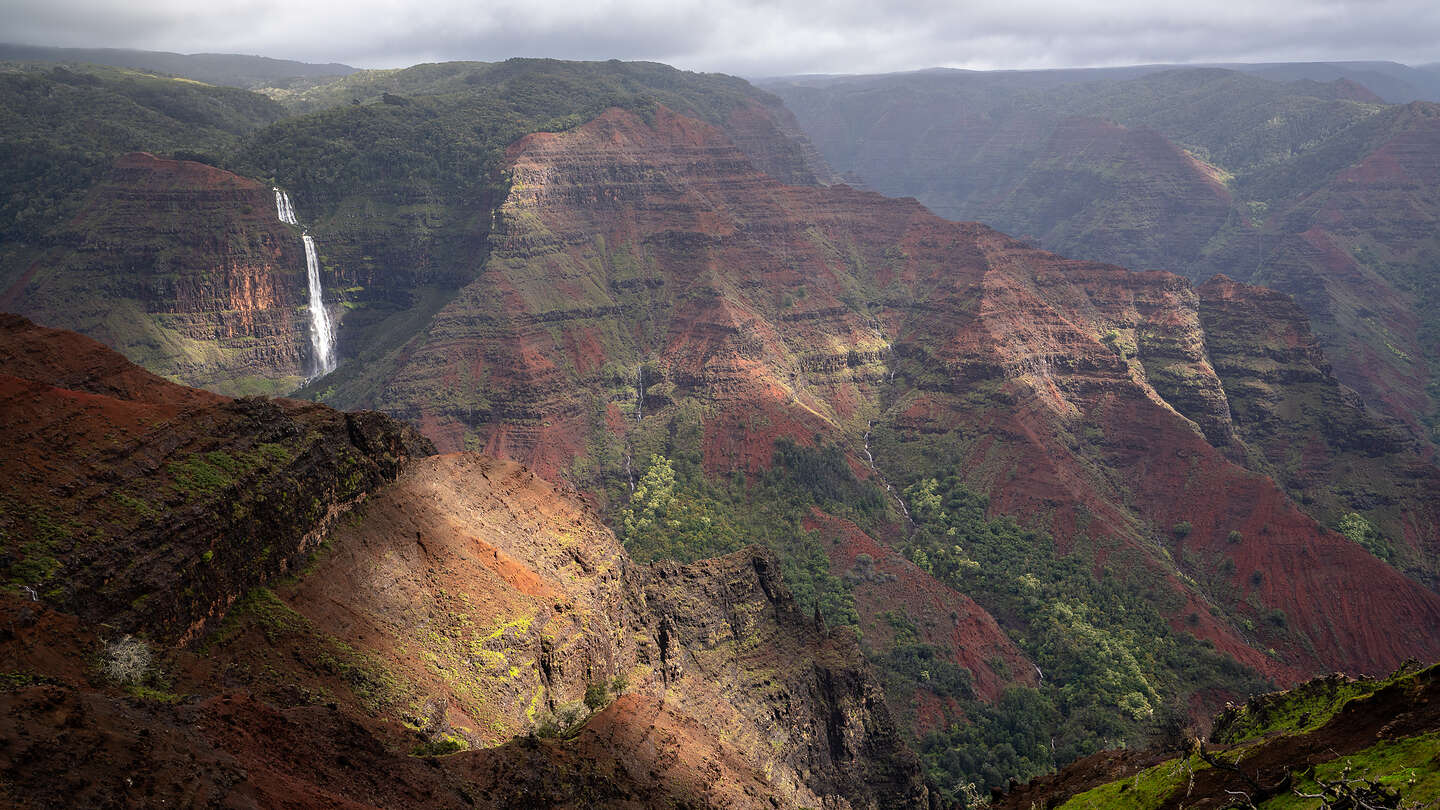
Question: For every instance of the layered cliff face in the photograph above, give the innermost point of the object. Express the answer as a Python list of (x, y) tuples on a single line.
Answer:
[(186, 270), (1316, 190), (504, 600), (1112, 194), (466, 604), (1358, 252), (647, 272), (1350, 466)]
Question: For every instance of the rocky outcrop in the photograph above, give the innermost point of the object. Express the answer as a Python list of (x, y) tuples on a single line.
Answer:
[(185, 269), (147, 505)]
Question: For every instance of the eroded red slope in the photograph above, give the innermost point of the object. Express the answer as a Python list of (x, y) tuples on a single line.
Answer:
[(1075, 393)]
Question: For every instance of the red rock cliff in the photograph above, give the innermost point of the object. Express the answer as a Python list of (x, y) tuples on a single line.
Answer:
[(1076, 393), (184, 268)]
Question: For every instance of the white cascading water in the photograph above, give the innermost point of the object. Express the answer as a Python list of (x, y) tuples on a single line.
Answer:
[(322, 332), (283, 209)]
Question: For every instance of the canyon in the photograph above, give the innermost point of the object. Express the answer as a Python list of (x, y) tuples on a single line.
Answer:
[(755, 484), (1316, 189)]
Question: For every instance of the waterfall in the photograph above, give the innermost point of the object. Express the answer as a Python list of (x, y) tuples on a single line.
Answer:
[(322, 332), (283, 209), (322, 335), (899, 501)]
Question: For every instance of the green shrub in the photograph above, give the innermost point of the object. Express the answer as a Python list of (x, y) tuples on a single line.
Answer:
[(596, 696), (1359, 530)]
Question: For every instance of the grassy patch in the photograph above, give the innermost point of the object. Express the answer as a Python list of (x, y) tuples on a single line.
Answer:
[(1302, 709), (151, 694), (202, 474), (35, 538), (443, 744), (1146, 789), (1411, 766)]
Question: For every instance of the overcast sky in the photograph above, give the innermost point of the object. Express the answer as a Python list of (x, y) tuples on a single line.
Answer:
[(748, 37)]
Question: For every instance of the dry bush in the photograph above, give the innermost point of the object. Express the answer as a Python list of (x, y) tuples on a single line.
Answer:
[(127, 660)]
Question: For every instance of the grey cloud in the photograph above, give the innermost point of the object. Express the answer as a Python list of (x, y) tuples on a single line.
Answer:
[(750, 37)]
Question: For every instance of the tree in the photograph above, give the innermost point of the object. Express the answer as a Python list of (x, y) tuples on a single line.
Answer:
[(596, 696)]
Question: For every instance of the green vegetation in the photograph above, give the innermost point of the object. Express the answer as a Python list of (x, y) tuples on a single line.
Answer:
[(52, 150), (597, 696), (1397, 772), (1111, 663), (203, 475), (1359, 530), (445, 742), (1144, 790), (913, 662), (150, 694), (565, 722), (1304, 708), (677, 512), (34, 540), (208, 474), (1404, 768)]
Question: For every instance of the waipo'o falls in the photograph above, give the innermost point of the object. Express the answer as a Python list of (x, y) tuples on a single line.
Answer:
[(322, 332)]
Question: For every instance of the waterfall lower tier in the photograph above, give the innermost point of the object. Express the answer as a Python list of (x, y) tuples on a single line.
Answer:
[(322, 333)]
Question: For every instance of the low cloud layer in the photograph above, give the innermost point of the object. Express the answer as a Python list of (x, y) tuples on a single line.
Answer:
[(749, 37)]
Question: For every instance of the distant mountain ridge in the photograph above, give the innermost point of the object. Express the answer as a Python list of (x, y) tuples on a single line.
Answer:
[(1315, 187), (1393, 82), (229, 69)]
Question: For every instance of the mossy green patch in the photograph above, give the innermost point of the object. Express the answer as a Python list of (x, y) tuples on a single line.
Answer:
[(1304, 708), (1411, 766), (1146, 789), (444, 743), (150, 694)]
